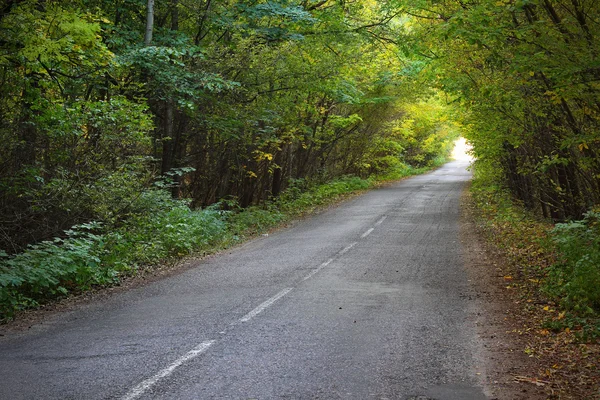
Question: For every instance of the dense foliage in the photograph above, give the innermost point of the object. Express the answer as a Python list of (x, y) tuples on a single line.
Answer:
[(574, 279), (229, 99)]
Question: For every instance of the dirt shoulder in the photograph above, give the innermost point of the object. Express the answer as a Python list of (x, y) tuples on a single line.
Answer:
[(522, 359), (499, 322)]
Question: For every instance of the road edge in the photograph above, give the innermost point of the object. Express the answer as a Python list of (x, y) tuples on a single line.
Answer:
[(496, 313)]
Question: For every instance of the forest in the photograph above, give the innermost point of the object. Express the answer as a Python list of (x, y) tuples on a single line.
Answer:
[(134, 131)]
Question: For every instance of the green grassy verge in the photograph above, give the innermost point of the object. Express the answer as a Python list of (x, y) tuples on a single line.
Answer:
[(162, 229)]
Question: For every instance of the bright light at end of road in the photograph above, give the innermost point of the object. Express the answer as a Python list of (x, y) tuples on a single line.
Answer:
[(462, 150)]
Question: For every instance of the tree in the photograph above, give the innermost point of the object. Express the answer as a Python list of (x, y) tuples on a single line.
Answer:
[(149, 23)]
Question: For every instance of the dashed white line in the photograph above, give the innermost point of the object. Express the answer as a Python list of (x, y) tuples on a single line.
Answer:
[(148, 383), (326, 263), (320, 267), (263, 306), (311, 273), (345, 249), (367, 233), (380, 220)]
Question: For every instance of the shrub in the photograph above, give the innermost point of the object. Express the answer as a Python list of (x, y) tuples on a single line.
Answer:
[(88, 257), (52, 268), (575, 278), (318, 195)]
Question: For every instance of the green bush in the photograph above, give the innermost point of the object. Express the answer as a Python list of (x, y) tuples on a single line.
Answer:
[(575, 278), (52, 268), (399, 172), (318, 195), (254, 220), (88, 257)]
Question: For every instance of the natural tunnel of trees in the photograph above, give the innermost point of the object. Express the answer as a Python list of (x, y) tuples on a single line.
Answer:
[(242, 99)]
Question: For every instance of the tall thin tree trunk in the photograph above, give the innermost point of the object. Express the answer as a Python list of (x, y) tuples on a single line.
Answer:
[(174, 15), (149, 22), (277, 174), (168, 139)]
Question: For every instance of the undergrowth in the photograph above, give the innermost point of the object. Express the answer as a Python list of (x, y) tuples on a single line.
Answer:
[(157, 229), (556, 265), (574, 279)]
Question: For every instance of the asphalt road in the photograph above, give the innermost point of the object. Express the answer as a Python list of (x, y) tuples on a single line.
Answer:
[(365, 301)]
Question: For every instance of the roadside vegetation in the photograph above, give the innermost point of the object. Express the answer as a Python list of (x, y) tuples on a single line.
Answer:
[(552, 275)]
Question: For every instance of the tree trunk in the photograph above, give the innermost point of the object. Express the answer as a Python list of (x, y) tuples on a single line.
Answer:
[(149, 22), (168, 139), (174, 15), (277, 175)]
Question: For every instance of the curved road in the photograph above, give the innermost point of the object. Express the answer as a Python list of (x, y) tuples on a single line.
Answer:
[(365, 301)]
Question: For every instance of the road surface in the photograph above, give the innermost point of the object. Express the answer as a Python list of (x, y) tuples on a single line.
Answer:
[(368, 300)]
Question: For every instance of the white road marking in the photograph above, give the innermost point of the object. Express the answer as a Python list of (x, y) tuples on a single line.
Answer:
[(345, 249), (320, 267), (263, 306), (367, 233), (148, 383), (311, 274), (380, 220)]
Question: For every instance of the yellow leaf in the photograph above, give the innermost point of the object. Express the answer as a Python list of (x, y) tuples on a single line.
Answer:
[(546, 308)]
